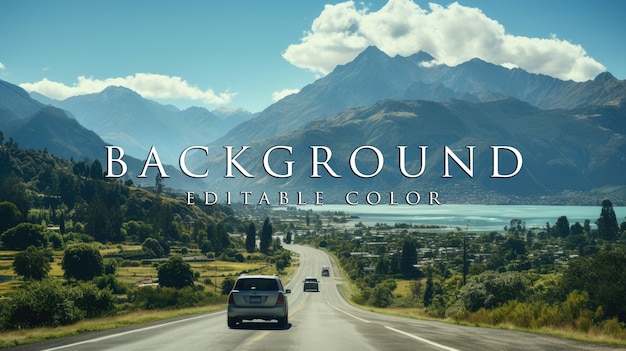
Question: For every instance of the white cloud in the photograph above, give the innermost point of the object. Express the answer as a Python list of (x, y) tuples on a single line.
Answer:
[(2, 66), (452, 34), (279, 95), (148, 85)]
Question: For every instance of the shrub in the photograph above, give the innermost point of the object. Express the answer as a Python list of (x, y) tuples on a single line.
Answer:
[(93, 301), (490, 289), (165, 297), (152, 248), (227, 285), (111, 283), (49, 303), (36, 304), (24, 235), (381, 296)]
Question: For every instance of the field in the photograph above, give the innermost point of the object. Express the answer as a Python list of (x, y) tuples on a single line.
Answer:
[(144, 272)]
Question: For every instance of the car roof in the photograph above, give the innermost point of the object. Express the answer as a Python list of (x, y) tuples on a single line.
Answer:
[(257, 276)]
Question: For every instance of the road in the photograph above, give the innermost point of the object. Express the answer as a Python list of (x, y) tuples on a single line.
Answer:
[(317, 321)]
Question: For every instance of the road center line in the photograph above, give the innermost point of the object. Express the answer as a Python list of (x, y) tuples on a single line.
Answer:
[(422, 339), (256, 338), (130, 332), (299, 306)]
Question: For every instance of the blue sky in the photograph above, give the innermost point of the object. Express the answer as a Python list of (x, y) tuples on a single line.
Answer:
[(242, 53)]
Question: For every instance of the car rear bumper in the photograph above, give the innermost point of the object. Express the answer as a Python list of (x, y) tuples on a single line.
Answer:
[(265, 313), (311, 287)]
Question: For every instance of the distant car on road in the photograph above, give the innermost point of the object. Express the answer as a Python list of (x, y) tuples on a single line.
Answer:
[(258, 297), (325, 271), (311, 284)]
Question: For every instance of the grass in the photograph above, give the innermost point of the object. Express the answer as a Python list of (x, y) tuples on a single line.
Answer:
[(34, 335), (133, 274), (403, 288)]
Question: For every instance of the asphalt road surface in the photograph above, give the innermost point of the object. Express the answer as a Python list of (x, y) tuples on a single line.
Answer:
[(317, 321)]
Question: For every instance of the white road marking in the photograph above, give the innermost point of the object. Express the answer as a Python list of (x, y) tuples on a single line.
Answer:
[(351, 315), (422, 339), (130, 332)]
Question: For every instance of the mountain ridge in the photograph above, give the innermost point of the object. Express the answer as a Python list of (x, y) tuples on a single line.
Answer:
[(123, 117), (45, 127), (374, 76), (555, 160)]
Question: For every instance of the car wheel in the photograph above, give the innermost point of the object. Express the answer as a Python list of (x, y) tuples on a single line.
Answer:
[(232, 322), (282, 322)]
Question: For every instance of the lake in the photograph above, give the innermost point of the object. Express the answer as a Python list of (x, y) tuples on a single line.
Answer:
[(475, 218)]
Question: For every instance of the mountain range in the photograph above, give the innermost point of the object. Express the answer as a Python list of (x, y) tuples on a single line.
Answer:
[(373, 76), (571, 134), (564, 153), (33, 125), (123, 117)]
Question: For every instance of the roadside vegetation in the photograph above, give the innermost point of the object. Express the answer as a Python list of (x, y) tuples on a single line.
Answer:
[(564, 279), (76, 248)]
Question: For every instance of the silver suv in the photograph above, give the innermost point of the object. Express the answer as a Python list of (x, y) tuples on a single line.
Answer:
[(258, 297)]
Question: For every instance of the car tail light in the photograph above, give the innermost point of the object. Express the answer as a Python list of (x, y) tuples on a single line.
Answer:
[(281, 299), (231, 299)]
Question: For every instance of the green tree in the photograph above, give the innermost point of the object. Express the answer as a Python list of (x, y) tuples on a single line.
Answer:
[(222, 235), (603, 277), (80, 169), (408, 259), (227, 285), (383, 265), (13, 189), (211, 237), (561, 227), (133, 209), (167, 222), (96, 170), (266, 236), (288, 237), (10, 214), (158, 183), (512, 248), (82, 262), (24, 235), (31, 264), (251, 238), (429, 293), (98, 220), (138, 230), (152, 248), (607, 223), (175, 273)]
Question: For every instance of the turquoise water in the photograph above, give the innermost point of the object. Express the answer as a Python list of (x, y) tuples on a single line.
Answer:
[(472, 217)]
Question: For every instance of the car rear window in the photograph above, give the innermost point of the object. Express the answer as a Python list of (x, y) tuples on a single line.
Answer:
[(256, 284)]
